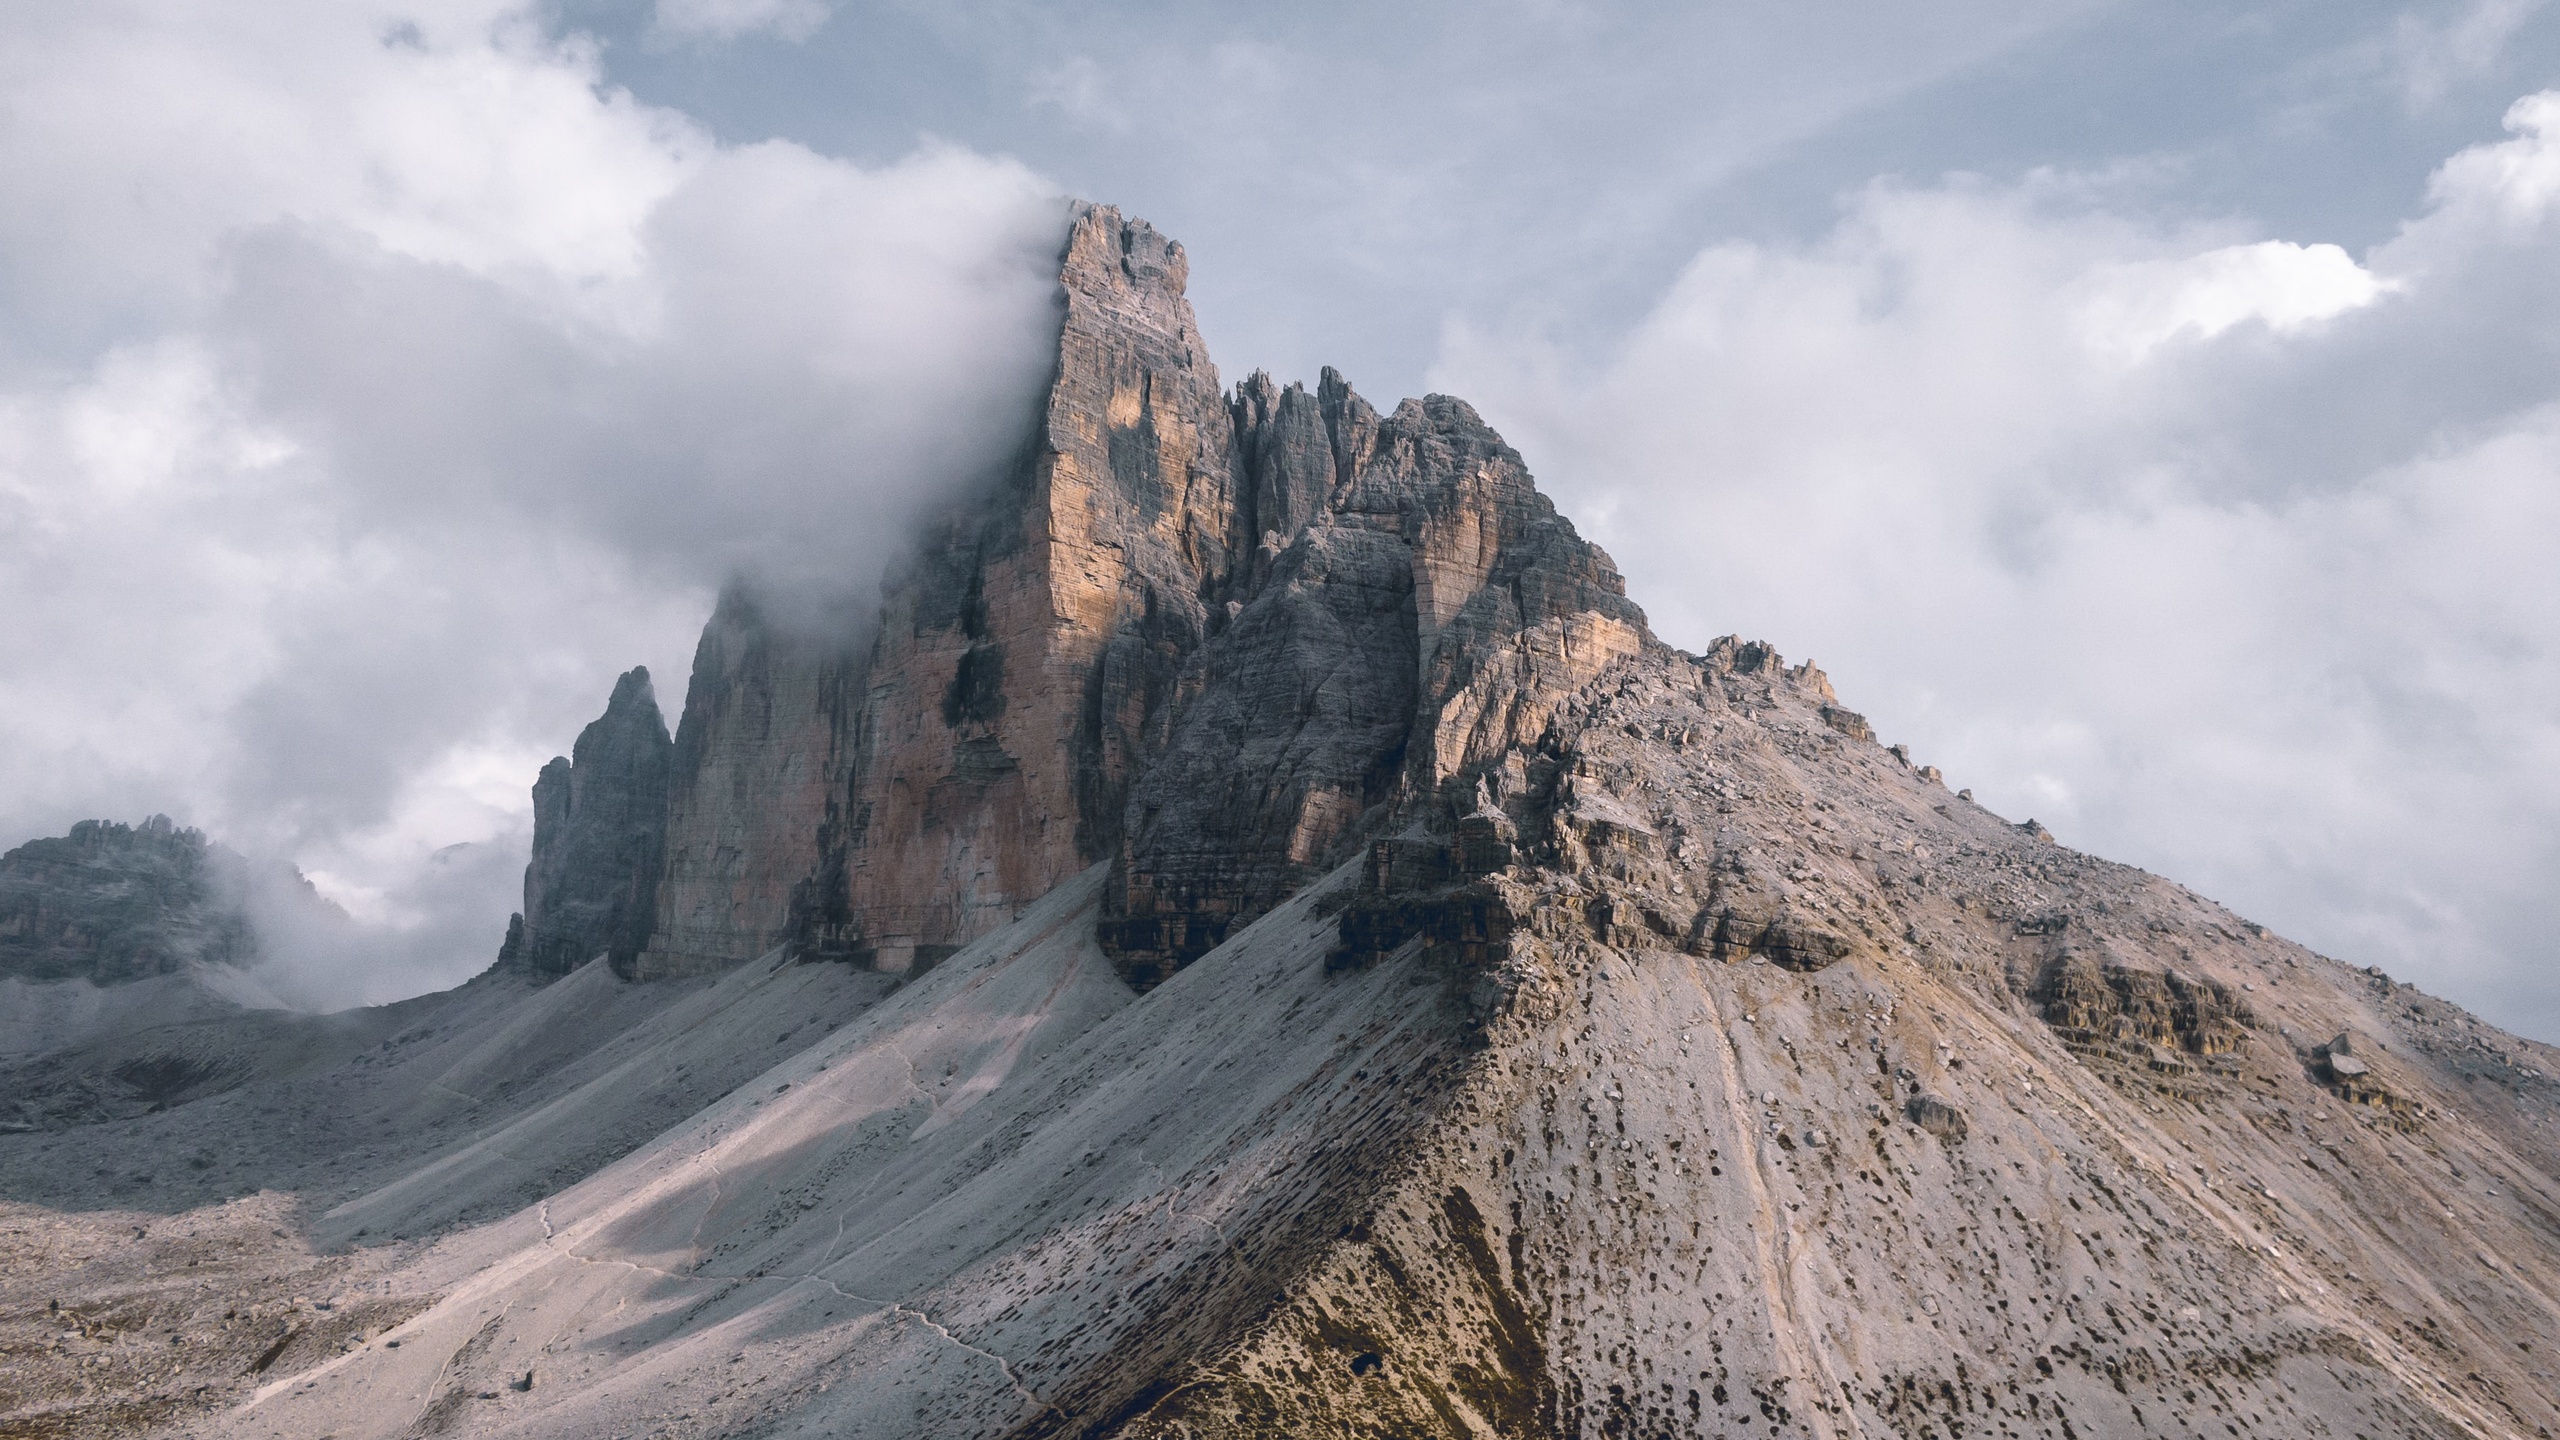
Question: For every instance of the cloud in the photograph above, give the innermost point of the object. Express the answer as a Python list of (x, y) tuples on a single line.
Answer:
[(2140, 306), (792, 20), (2429, 59), (2223, 554), (376, 385)]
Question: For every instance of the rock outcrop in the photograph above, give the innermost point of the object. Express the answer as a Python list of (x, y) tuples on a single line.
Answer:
[(599, 840), (111, 903), (1380, 662), (1216, 639)]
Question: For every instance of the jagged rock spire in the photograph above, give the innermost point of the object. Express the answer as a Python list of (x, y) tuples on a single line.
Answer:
[(599, 832), (1213, 638)]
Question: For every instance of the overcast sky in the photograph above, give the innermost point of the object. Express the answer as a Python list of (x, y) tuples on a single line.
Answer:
[(2149, 412)]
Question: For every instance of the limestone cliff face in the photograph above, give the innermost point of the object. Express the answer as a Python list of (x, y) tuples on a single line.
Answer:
[(1213, 637), (755, 767), (891, 795), (1378, 662), (1025, 662), (599, 836)]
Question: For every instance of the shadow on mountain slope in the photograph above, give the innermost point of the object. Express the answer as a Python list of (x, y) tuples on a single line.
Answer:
[(170, 1118)]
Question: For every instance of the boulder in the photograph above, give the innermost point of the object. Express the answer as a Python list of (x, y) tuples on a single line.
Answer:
[(1938, 1117)]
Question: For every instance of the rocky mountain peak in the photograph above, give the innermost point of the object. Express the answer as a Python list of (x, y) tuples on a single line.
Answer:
[(1212, 637), (599, 837)]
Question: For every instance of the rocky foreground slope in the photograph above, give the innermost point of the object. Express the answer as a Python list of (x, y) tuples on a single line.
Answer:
[(1279, 948)]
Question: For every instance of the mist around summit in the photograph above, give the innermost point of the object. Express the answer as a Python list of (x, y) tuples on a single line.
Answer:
[(377, 384)]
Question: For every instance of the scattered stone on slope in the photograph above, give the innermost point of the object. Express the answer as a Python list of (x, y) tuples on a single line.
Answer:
[(2168, 1222)]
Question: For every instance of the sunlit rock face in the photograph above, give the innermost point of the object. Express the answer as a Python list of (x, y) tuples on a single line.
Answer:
[(889, 792), (1213, 637)]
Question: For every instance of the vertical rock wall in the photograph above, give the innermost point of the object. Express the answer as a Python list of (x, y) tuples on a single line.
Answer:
[(1022, 660), (1419, 624), (599, 833), (1217, 638), (758, 758)]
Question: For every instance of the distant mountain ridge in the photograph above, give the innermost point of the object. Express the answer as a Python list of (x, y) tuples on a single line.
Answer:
[(111, 903)]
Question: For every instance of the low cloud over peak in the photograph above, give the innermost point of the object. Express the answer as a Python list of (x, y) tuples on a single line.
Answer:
[(381, 384)]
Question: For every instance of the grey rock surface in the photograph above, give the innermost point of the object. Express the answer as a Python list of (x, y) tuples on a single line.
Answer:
[(1380, 652), (599, 841), (111, 903)]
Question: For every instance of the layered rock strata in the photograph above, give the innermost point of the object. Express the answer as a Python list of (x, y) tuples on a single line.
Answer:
[(599, 840)]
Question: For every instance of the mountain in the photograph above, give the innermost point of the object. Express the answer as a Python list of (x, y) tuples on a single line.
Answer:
[(1213, 638), (117, 928), (109, 903), (1256, 937), (599, 838)]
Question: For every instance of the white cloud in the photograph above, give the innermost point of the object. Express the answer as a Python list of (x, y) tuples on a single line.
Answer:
[(376, 385), (2137, 307), (2268, 611), (2508, 189)]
